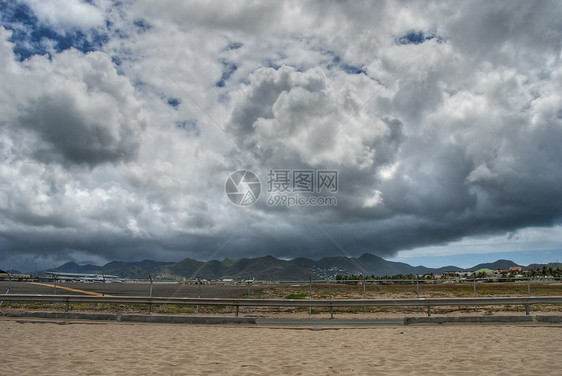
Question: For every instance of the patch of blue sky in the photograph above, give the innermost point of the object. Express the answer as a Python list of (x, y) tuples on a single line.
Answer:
[(234, 46), (350, 69), (118, 64), (418, 37), (116, 60), (144, 88), (272, 64), (174, 102), (469, 260), (30, 37), (189, 126), (228, 69), (141, 25), (337, 62)]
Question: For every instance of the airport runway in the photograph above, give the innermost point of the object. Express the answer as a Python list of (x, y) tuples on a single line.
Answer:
[(127, 289)]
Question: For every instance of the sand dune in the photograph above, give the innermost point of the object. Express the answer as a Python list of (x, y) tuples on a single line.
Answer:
[(58, 348)]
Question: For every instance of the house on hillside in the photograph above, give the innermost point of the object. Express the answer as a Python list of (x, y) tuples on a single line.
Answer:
[(515, 269)]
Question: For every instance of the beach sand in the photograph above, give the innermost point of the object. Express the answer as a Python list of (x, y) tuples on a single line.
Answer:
[(36, 347)]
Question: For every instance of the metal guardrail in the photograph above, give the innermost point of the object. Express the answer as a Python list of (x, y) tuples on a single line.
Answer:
[(7, 292), (237, 303)]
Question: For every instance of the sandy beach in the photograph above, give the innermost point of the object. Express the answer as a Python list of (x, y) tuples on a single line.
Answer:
[(35, 347)]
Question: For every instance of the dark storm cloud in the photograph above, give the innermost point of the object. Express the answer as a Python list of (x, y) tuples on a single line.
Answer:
[(82, 112), (442, 120), (71, 137)]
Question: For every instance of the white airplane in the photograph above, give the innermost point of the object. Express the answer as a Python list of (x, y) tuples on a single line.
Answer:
[(83, 277)]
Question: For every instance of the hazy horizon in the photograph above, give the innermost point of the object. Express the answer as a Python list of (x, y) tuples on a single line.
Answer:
[(461, 261)]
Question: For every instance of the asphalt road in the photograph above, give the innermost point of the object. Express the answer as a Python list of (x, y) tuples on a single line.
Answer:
[(129, 289)]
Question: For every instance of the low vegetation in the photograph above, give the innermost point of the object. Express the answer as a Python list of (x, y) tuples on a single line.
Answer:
[(372, 290)]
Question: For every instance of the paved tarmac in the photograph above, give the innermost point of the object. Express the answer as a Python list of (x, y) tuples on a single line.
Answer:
[(129, 289)]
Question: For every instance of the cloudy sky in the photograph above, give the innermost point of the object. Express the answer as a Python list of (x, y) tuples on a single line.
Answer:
[(120, 123)]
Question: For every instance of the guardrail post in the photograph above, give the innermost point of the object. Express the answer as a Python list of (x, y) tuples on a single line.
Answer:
[(249, 296), (529, 286), (67, 305), (428, 310), (198, 293), (331, 307), (7, 292), (237, 309), (474, 285), (310, 293), (364, 293), (527, 309), (149, 306)]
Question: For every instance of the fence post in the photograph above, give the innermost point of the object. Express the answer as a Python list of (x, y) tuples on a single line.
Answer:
[(529, 286), (474, 286), (331, 307), (198, 281), (248, 296), (150, 295), (364, 293), (7, 292), (310, 294), (418, 287), (54, 289)]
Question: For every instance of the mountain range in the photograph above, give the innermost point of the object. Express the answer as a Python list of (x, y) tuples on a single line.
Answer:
[(271, 268)]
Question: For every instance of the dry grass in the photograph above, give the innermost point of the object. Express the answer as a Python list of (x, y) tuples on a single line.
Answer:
[(409, 290), (340, 291)]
